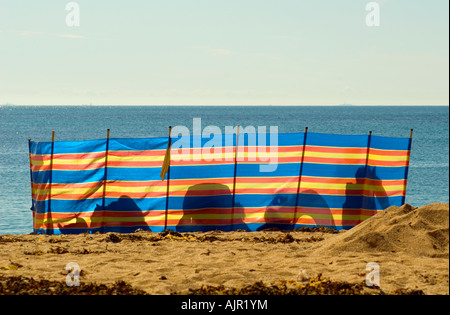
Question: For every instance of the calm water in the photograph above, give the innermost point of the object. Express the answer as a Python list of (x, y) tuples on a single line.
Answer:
[(428, 175)]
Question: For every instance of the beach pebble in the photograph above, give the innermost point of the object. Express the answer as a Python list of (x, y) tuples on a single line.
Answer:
[(302, 276)]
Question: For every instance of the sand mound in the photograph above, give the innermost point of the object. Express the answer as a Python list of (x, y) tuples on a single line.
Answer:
[(420, 231)]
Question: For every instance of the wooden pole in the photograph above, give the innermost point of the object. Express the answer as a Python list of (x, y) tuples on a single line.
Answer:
[(294, 219), (368, 147), (32, 181), (407, 164), (49, 209), (366, 171), (234, 178), (169, 145), (366, 167), (105, 178)]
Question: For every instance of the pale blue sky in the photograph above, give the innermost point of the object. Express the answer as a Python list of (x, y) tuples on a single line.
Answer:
[(224, 52)]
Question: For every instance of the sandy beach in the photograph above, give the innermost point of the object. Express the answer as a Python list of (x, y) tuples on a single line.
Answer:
[(410, 246)]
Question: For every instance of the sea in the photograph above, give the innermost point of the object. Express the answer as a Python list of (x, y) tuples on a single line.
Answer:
[(428, 179)]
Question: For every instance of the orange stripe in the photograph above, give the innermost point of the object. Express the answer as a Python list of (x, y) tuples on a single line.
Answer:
[(404, 153)]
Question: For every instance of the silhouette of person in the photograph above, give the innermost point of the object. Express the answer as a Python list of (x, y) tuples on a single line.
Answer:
[(129, 207), (379, 194), (79, 226), (359, 196), (316, 208), (275, 216), (209, 206)]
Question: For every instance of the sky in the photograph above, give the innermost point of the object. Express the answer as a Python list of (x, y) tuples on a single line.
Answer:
[(224, 52)]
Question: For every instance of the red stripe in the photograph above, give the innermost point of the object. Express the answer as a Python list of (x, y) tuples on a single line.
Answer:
[(404, 153)]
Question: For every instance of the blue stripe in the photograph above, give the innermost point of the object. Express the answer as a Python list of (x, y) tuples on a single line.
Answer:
[(384, 143), (69, 147), (137, 144), (328, 140), (352, 171), (134, 174), (202, 171), (312, 200)]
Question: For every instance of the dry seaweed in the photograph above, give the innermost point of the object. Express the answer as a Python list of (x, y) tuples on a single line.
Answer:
[(28, 286), (408, 292), (316, 286), (113, 238), (322, 229), (4, 239), (284, 238)]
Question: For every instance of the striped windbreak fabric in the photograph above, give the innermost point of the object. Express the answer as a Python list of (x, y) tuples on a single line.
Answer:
[(225, 183)]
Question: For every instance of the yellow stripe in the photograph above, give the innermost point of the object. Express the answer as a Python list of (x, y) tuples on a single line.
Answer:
[(68, 190), (68, 161), (388, 158)]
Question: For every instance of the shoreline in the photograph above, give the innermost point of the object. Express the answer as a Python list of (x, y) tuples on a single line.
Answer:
[(184, 263)]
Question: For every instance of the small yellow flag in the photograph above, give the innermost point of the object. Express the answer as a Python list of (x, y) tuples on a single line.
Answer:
[(166, 162)]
